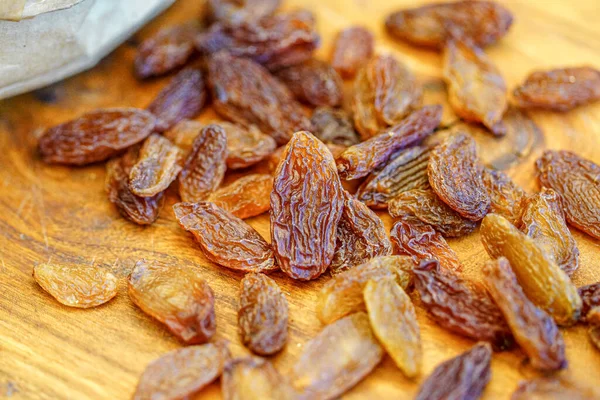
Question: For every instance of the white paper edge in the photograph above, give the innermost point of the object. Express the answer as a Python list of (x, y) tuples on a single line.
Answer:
[(78, 65)]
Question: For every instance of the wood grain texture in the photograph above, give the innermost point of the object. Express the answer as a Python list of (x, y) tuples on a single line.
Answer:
[(49, 351)]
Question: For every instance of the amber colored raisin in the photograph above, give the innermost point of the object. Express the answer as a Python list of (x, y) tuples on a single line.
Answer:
[(507, 198), (246, 146), (353, 47), (224, 238), (236, 11), (422, 242), (407, 171), (313, 82), (263, 314), (360, 236), (205, 166), (181, 373), (476, 89), (425, 206), (274, 41), (554, 388), (534, 330), (590, 297), (546, 285), (385, 91), (167, 50), (455, 175), (176, 296), (184, 133), (460, 305), (335, 360), (140, 210), (80, 286), (306, 206), (246, 93), (333, 126), (483, 22), (246, 197), (462, 377), (182, 98), (95, 136), (158, 164), (343, 294), (559, 89), (254, 378), (394, 322), (577, 180), (544, 221), (361, 159)]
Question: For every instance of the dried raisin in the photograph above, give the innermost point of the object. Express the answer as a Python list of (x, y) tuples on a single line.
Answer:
[(224, 238), (554, 388), (333, 126), (313, 82), (246, 146), (246, 197), (590, 297), (507, 198), (184, 133), (253, 378), (352, 49)]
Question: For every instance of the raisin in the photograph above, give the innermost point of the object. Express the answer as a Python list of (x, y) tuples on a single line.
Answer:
[(553, 388), (139, 210), (594, 333), (333, 126), (313, 82), (237, 11), (483, 22), (577, 180), (407, 171), (176, 296), (95, 136), (476, 89), (455, 175), (360, 236), (460, 305), (394, 323), (462, 377), (263, 314), (544, 221), (253, 378), (422, 242), (425, 206), (158, 164), (182, 98), (246, 197), (306, 205), (534, 330), (385, 91), (546, 285), (167, 50), (593, 316), (224, 238), (507, 198), (353, 47), (246, 93), (559, 89), (181, 373), (184, 133), (361, 159), (76, 285), (590, 297), (246, 146), (275, 41), (343, 294), (339, 357), (205, 166)]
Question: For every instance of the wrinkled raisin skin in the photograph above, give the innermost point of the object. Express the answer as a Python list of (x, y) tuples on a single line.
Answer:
[(313, 82), (353, 47), (559, 89), (246, 197), (306, 206), (506, 197), (333, 126), (95, 136), (246, 146), (462, 377), (461, 306), (263, 314)]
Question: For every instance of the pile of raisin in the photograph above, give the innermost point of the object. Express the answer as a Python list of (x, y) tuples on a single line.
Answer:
[(326, 164)]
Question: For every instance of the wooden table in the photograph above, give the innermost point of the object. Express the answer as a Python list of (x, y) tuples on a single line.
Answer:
[(48, 351)]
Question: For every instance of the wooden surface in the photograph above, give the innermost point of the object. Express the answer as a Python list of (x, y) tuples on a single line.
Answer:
[(48, 351)]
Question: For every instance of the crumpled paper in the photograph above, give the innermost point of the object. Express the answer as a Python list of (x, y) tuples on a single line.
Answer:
[(44, 41)]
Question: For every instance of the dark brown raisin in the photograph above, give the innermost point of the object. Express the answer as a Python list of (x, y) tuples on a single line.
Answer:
[(95, 136), (507, 198), (590, 297), (352, 49), (313, 82), (306, 205), (333, 126)]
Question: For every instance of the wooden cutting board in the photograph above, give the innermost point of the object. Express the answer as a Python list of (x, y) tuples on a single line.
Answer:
[(48, 351)]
